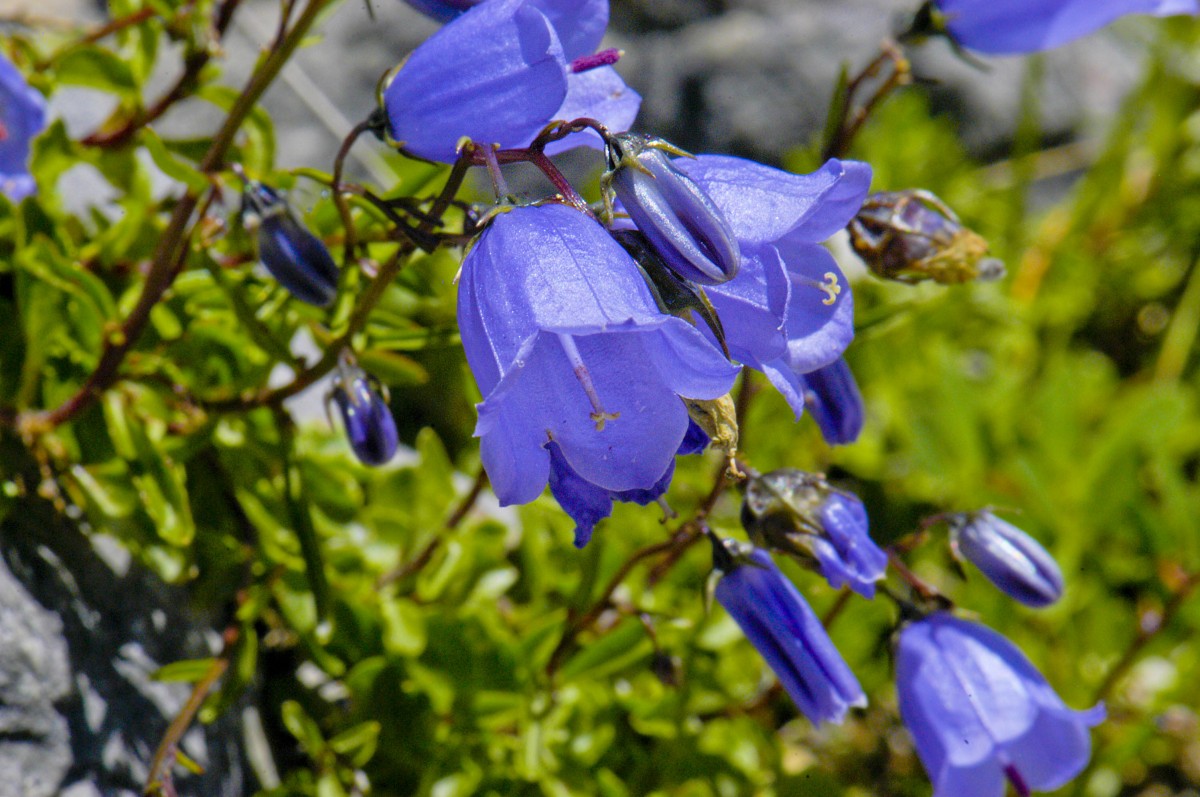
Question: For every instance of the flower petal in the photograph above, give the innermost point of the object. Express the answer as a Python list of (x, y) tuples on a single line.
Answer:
[(495, 75), (598, 94), (763, 204)]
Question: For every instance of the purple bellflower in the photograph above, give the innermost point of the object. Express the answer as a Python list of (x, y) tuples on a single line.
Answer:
[(785, 631), (588, 504), (1009, 27), (568, 347), (1012, 560), (980, 712), (500, 72), (368, 421), (832, 397), (802, 515), (789, 310), (293, 255), (22, 116)]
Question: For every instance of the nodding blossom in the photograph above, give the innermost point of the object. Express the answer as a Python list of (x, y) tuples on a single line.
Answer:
[(981, 714), (569, 348), (22, 116)]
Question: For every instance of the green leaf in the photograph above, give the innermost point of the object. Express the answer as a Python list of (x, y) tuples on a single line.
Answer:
[(187, 671), (97, 68)]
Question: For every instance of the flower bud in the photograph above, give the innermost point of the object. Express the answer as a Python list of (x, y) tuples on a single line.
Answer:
[(678, 218), (910, 236), (801, 515), (785, 631), (294, 256), (1012, 560), (369, 424)]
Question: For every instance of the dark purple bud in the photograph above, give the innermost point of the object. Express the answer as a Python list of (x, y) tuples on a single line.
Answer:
[(801, 515), (442, 10), (910, 236), (785, 631), (294, 256), (1012, 560), (831, 395), (678, 218), (369, 424)]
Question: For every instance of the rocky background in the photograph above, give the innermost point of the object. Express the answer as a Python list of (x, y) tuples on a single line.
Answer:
[(81, 629)]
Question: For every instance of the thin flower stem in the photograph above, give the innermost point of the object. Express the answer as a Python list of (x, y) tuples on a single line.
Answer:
[(159, 782), (1145, 635), (853, 118), (418, 562), (339, 199)]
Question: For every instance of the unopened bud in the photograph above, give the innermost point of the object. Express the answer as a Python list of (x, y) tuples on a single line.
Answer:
[(368, 421), (910, 236), (678, 218), (802, 515), (294, 256), (1012, 560)]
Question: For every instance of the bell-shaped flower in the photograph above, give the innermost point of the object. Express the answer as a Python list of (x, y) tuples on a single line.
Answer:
[(499, 73), (1012, 560), (22, 116), (833, 400), (567, 346), (789, 310), (1009, 27), (785, 631), (294, 256), (683, 225), (981, 714), (368, 421), (802, 515)]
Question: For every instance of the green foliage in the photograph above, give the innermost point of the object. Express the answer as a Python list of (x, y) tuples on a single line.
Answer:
[(396, 642)]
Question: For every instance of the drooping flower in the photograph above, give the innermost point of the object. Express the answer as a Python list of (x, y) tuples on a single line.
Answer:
[(567, 346), (786, 632), (368, 421), (789, 310), (22, 116), (802, 515), (672, 211), (832, 397), (1012, 560), (294, 256), (500, 72), (1009, 27), (980, 712)]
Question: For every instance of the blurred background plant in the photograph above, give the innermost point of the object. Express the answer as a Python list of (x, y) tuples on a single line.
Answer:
[(394, 631)]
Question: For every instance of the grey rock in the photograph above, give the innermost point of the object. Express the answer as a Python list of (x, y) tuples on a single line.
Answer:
[(79, 712)]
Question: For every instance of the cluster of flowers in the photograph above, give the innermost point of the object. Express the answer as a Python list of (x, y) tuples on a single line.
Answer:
[(605, 343)]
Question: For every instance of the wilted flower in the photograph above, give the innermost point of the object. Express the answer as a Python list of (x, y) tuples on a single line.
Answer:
[(785, 631), (980, 713), (1010, 558), (676, 216), (832, 397), (500, 72), (294, 256), (789, 310), (369, 424), (1007, 27), (22, 116), (568, 347), (909, 236), (800, 514)]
